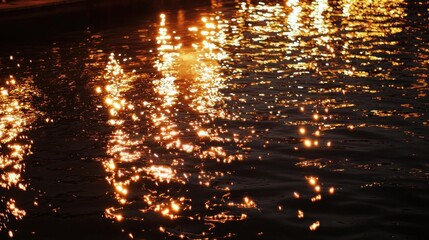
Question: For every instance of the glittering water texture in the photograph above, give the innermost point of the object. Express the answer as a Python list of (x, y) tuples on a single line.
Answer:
[(239, 120)]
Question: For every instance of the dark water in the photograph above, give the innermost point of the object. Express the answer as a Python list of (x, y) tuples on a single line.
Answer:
[(237, 120)]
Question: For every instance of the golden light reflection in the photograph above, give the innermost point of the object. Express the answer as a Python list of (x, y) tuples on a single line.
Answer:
[(314, 226), (378, 16), (16, 116), (227, 96), (316, 194), (128, 164), (167, 89), (146, 164), (123, 164), (272, 59), (300, 214), (197, 68), (296, 195), (225, 217)]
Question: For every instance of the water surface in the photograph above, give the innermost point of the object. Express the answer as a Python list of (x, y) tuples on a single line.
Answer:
[(238, 120)]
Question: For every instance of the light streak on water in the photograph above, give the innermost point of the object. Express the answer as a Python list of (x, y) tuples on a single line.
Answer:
[(16, 117)]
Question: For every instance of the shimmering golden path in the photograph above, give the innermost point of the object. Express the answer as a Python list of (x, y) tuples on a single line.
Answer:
[(16, 116)]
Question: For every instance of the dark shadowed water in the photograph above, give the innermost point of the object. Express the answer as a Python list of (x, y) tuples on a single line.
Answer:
[(235, 120)]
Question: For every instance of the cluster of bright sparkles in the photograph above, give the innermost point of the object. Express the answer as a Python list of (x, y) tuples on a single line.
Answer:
[(126, 164), (16, 116), (313, 182), (318, 125), (132, 163)]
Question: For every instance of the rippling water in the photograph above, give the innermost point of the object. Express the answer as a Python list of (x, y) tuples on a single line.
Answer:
[(242, 120)]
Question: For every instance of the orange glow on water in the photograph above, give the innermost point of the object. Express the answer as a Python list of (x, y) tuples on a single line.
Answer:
[(312, 180), (314, 226), (300, 214), (16, 117), (296, 195), (316, 198), (308, 143), (187, 76)]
